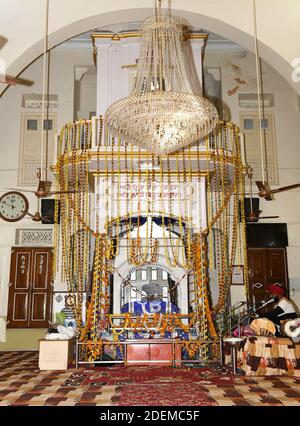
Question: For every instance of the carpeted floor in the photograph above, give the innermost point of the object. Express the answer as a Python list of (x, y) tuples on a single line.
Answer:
[(22, 384)]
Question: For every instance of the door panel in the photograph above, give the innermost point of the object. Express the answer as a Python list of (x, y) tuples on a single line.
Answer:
[(266, 266), (276, 263), (257, 269), (40, 268), (20, 307), (38, 307), (30, 293), (22, 262), (258, 266)]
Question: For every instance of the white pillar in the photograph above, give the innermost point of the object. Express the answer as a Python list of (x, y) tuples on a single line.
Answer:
[(113, 75), (197, 47), (116, 59), (183, 296)]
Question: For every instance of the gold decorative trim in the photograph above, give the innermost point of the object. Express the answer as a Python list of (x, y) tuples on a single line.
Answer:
[(131, 34), (101, 173), (114, 36)]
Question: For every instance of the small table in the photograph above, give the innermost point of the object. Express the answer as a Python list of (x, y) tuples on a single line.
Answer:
[(56, 354), (152, 351)]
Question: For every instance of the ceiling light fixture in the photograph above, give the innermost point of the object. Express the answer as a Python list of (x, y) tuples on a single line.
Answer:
[(162, 114)]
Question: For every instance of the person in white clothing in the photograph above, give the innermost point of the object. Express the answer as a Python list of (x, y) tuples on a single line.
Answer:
[(283, 308)]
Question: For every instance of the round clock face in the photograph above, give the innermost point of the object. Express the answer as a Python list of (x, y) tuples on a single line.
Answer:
[(13, 206)]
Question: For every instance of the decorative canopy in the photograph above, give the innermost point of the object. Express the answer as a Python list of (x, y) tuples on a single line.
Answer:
[(162, 114)]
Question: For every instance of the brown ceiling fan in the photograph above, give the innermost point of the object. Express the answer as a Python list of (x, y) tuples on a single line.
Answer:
[(8, 79), (44, 188), (255, 216), (252, 204), (268, 194), (37, 217)]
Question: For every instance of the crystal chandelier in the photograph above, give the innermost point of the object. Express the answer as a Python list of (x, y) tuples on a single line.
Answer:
[(162, 114)]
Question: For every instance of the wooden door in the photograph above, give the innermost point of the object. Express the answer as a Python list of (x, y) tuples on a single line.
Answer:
[(266, 266), (30, 289)]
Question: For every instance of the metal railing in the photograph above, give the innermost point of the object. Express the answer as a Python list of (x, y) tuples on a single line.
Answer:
[(90, 134)]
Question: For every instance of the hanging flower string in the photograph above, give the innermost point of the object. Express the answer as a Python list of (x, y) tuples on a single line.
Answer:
[(88, 243)]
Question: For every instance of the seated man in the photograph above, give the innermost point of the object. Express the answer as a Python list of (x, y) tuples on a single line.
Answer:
[(283, 309)]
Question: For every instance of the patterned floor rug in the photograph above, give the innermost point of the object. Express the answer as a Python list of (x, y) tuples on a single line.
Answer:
[(23, 384), (158, 385)]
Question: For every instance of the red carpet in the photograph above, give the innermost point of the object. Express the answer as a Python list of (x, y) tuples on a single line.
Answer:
[(118, 375), (158, 385), (183, 394)]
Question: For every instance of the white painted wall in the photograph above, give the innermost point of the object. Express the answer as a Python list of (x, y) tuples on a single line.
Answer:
[(87, 93), (63, 63), (72, 17)]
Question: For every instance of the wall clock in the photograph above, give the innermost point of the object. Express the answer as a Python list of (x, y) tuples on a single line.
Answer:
[(13, 206)]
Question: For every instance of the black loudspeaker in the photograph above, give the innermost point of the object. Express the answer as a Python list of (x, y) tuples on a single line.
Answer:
[(247, 207), (48, 210), (267, 235)]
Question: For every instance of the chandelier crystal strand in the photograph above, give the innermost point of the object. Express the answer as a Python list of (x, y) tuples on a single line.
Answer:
[(162, 114)]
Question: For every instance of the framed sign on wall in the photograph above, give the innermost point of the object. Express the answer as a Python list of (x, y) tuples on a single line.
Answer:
[(237, 277)]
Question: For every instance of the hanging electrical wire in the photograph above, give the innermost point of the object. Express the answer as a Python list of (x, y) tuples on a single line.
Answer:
[(44, 88), (259, 94)]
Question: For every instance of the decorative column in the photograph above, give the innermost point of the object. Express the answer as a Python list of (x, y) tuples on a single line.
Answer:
[(116, 60)]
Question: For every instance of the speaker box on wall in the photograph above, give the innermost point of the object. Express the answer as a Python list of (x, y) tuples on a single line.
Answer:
[(267, 235), (47, 211)]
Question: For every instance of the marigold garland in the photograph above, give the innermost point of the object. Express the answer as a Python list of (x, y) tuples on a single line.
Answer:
[(189, 251)]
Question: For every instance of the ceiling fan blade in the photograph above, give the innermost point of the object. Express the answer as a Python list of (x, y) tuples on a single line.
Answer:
[(264, 190), (285, 188), (36, 217), (46, 219), (260, 185), (62, 192), (268, 217), (67, 192), (8, 79), (21, 190), (49, 194), (3, 41)]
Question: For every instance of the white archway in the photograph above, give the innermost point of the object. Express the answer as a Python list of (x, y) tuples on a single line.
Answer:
[(123, 269), (73, 17)]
